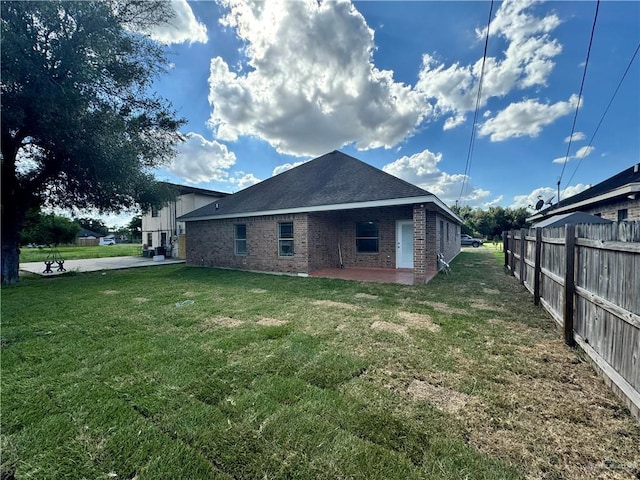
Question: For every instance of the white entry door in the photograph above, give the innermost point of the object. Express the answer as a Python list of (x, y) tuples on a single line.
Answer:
[(404, 244)]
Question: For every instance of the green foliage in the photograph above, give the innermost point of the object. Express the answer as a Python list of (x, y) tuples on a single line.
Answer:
[(93, 224), (47, 229), (79, 126), (492, 222)]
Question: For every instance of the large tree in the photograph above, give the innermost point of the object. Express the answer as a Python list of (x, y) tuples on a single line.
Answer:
[(80, 127)]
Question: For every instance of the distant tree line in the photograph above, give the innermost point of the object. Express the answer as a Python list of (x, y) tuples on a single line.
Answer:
[(492, 222), (50, 229)]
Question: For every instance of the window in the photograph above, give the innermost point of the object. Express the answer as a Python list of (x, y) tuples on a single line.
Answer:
[(285, 239), (149, 239), (155, 212), (623, 214), (240, 247), (367, 238)]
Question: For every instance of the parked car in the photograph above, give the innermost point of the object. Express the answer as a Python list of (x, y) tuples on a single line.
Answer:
[(468, 240), (107, 241)]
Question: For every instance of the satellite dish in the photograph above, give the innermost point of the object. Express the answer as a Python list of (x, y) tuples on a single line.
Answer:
[(539, 204), (548, 202)]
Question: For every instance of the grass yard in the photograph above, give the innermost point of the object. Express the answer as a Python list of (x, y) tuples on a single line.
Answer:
[(180, 372), (79, 253)]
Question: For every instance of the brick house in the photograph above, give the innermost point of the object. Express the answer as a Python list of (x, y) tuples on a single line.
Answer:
[(617, 198), (300, 221)]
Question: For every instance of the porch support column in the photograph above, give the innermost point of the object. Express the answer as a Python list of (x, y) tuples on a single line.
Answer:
[(431, 244), (419, 244)]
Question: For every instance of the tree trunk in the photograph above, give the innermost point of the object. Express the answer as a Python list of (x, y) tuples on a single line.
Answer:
[(10, 252), (14, 208)]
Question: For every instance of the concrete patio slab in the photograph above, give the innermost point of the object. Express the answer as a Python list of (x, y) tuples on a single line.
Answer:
[(96, 265)]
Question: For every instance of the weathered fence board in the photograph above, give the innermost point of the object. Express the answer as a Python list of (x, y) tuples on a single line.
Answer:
[(593, 293)]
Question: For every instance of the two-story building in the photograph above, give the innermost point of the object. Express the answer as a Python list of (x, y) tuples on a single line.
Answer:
[(160, 227)]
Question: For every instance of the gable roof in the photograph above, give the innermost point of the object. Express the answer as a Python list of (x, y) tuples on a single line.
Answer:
[(334, 181), (624, 183)]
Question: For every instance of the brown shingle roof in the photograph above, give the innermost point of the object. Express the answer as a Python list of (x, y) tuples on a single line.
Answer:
[(333, 178)]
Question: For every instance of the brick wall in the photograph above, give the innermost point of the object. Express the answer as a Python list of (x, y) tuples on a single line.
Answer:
[(316, 237), (386, 218), (210, 243), (419, 244), (610, 210), (323, 228)]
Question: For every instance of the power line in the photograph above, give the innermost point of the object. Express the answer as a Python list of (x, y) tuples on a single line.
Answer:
[(633, 57), (575, 116), (467, 167)]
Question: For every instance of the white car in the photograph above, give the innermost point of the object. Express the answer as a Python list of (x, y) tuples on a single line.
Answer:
[(107, 241)]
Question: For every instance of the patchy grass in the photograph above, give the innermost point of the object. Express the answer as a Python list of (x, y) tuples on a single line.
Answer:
[(179, 372), (79, 253)]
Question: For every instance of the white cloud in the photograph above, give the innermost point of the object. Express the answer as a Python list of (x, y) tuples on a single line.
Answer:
[(527, 62), (526, 118), (200, 160), (581, 153), (243, 180), (545, 193), (309, 85), (421, 169), (183, 27), (284, 167), (576, 136)]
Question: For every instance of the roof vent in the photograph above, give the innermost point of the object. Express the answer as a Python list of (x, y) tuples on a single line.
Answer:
[(636, 167), (217, 206)]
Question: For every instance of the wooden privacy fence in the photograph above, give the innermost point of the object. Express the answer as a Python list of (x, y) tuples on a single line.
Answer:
[(588, 278)]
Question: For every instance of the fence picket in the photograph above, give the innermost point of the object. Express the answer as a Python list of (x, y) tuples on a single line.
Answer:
[(592, 292)]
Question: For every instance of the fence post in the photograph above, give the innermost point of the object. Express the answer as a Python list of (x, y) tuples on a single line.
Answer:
[(569, 283), (505, 247), (523, 249), (537, 269), (512, 262)]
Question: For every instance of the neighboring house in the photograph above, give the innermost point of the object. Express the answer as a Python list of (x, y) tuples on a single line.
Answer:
[(161, 227), (306, 218), (570, 218), (617, 198), (87, 238)]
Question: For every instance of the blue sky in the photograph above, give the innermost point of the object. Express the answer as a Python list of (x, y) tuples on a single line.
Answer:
[(264, 86)]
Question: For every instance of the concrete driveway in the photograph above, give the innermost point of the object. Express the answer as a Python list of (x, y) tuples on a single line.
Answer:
[(96, 264)]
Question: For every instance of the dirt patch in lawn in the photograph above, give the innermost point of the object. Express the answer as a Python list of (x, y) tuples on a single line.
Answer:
[(271, 322), (442, 398), (111, 292), (419, 320), (140, 299), (557, 417), (491, 291), (444, 308), (189, 294), (223, 322), (389, 327), (482, 304), (332, 304), (258, 290), (366, 296)]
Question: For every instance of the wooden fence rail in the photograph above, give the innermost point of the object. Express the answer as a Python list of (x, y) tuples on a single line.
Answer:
[(588, 278)]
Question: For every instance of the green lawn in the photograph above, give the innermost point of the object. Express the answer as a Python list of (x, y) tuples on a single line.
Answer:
[(78, 253), (175, 372)]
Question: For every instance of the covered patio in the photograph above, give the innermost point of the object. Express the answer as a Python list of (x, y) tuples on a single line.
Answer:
[(401, 276)]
